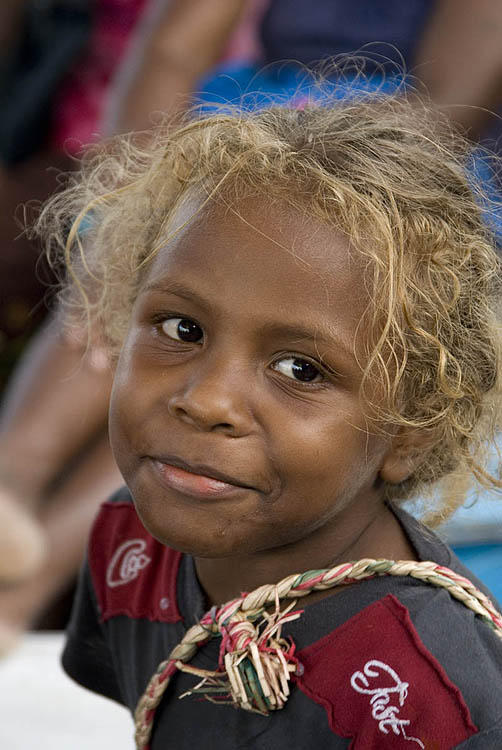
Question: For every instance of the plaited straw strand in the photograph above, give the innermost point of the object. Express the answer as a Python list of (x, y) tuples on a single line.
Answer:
[(255, 662)]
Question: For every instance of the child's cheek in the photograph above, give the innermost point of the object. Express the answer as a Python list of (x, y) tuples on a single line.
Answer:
[(126, 406)]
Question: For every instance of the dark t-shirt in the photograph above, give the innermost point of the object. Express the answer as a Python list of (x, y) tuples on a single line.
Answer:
[(387, 663), (308, 32)]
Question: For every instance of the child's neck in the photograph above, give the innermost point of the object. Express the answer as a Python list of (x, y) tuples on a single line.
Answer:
[(375, 535)]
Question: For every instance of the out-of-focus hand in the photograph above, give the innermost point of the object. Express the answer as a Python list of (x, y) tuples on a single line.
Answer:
[(459, 59), (22, 541), (165, 65)]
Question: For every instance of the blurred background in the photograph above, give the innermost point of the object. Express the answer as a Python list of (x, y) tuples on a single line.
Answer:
[(73, 72)]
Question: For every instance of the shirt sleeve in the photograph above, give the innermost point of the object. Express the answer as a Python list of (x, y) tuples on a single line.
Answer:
[(86, 656)]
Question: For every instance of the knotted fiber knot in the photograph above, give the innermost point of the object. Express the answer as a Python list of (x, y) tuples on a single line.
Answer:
[(255, 662)]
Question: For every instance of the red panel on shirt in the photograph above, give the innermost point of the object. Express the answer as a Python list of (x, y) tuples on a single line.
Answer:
[(380, 686), (133, 573)]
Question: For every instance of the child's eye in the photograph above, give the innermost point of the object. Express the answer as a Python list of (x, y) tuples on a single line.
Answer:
[(297, 368), (182, 329)]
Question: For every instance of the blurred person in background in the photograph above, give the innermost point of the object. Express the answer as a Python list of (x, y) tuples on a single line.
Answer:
[(54, 453), (58, 57), (37, 45)]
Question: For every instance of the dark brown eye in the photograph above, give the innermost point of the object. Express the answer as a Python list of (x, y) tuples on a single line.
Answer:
[(182, 329), (297, 368)]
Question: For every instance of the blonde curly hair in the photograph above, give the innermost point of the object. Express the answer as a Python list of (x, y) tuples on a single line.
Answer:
[(388, 174)]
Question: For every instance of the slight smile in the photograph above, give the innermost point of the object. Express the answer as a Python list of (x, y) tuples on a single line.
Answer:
[(197, 480)]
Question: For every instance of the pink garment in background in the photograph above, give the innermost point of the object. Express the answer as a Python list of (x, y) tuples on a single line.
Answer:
[(79, 104), (78, 109)]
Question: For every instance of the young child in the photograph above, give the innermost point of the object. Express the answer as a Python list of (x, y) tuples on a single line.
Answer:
[(304, 303)]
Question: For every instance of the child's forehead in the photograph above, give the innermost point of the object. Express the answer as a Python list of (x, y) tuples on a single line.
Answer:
[(292, 235)]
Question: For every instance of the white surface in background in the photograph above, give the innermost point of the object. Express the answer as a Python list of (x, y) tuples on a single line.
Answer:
[(42, 709)]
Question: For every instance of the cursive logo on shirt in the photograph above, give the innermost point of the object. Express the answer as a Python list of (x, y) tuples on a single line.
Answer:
[(127, 562), (386, 715)]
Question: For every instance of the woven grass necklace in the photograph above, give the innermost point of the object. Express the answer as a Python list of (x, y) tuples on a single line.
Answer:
[(255, 662)]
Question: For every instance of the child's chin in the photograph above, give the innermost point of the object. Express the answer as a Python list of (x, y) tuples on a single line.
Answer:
[(204, 543)]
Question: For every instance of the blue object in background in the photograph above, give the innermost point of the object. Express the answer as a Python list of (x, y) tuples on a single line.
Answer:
[(485, 561), (249, 87)]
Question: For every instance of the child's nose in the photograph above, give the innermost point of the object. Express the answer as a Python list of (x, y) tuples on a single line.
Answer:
[(215, 398)]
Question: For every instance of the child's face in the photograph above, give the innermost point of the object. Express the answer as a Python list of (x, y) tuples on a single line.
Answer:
[(239, 367)]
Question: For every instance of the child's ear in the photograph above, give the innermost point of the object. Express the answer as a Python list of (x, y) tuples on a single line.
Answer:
[(406, 452)]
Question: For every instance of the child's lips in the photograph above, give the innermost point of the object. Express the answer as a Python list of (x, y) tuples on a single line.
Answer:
[(195, 481)]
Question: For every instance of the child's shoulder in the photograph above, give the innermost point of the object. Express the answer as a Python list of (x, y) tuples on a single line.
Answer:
[(407, 652), (132, 573)]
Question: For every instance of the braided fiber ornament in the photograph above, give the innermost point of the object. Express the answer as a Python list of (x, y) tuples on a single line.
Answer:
[(256, 662)]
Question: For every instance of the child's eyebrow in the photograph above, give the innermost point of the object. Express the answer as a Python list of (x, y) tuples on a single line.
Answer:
[(322, 339), (171, 287)]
